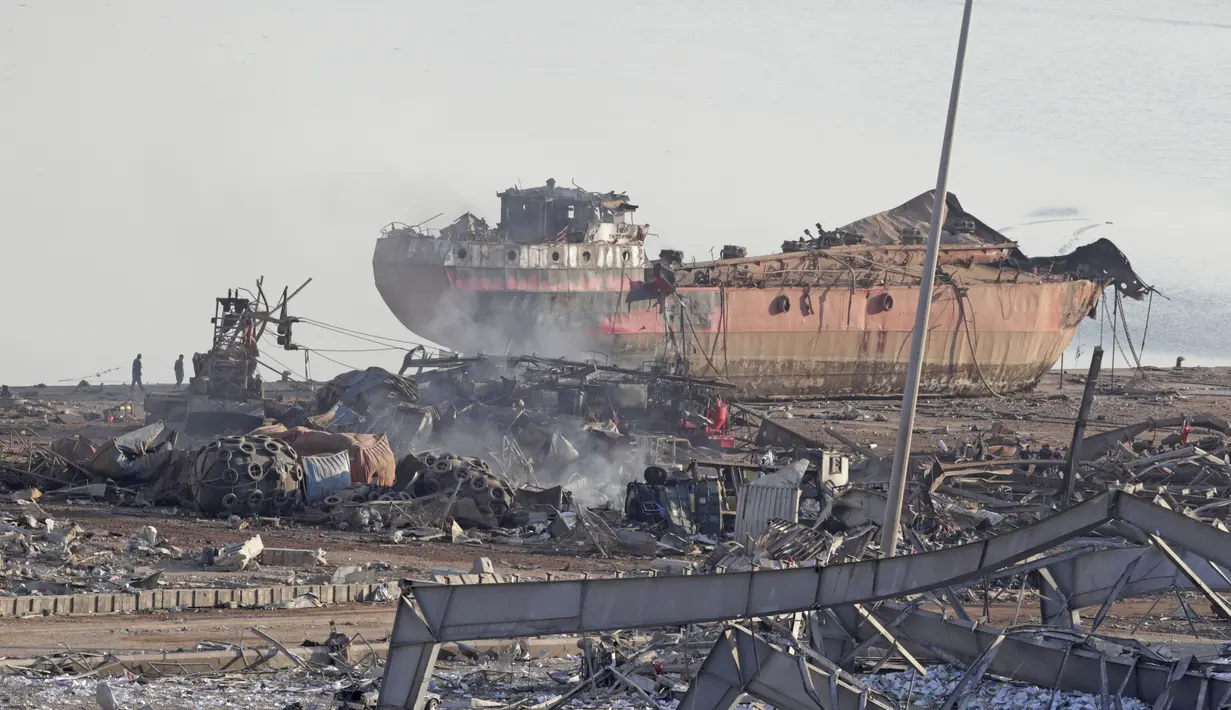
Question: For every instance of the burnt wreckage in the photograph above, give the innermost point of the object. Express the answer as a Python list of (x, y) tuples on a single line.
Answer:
[(565, 272)]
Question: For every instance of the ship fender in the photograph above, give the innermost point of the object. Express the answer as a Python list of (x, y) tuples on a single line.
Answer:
[(880, 303)]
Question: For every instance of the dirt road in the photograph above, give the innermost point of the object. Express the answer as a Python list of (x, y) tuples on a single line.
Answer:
[(182, 631)]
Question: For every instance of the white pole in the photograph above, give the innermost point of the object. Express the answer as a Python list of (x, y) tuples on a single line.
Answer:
[(901, 454)]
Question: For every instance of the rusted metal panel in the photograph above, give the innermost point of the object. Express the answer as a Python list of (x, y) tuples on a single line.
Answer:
[(989, 330)]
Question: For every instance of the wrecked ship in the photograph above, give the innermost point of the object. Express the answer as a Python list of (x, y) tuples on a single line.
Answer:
[(565, 273)]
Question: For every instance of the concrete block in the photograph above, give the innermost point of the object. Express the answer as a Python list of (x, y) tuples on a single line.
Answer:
[(288, 557)]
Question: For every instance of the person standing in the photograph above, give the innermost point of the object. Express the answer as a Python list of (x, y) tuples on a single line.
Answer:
[(179, 372), (1044, 455), (136, 375)]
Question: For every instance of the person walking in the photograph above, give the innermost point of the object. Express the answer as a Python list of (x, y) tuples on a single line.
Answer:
[(179, 372), (136, 375)]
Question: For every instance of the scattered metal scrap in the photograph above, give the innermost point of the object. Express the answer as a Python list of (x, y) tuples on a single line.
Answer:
[(509, 610), (742, 663), (568, 457)]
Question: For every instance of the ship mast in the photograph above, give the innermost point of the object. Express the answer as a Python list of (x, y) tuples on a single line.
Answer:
[(910, 397)]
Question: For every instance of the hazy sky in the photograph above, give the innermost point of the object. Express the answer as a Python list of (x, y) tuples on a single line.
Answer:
[(156, 153)]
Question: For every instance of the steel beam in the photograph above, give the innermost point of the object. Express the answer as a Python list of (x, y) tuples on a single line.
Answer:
[(740, 663), (1090, 578), (1047, 663), (1217, 603), (458, 613), (491, 611), (1079, 430), (1202, 539), (409, 663), (1054, 606)]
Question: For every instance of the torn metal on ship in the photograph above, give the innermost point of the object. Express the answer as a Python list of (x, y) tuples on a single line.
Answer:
[(565, 272)]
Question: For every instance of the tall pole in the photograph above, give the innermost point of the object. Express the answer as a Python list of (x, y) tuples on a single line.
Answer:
[(901, 454)]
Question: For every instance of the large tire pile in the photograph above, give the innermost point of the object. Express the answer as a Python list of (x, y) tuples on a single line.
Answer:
[(246, 475), (470, 477)]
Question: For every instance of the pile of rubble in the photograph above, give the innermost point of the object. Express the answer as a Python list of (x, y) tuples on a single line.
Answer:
[(31, 409), (767, 578), (818, 621)]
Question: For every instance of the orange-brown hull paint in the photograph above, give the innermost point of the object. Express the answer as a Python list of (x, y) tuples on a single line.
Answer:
[(1001, 336)]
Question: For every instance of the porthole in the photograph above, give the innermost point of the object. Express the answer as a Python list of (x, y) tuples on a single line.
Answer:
[(512, 255), (625, 256), (555, 256), (585, 256), (461, 253), (880, 303)]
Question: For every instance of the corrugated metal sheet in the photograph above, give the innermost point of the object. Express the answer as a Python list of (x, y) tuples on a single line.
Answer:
[(760, 502), (325, 474)]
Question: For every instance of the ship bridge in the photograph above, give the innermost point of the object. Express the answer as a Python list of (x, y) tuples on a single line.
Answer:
[(553, 214)]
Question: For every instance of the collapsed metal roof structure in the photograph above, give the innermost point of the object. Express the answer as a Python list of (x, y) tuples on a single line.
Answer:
[(456, 613), (743, 664)]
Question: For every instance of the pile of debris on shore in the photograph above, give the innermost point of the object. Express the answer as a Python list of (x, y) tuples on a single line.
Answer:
[(570, 458)]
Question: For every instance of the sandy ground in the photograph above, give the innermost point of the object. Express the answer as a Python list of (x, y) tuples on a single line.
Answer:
[(1045, 415), (408, 559)]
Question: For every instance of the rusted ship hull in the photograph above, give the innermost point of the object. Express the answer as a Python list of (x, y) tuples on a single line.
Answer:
[(838, 336)]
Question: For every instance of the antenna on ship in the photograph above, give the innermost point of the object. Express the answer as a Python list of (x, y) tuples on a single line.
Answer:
[(910, 397), (429, 219)]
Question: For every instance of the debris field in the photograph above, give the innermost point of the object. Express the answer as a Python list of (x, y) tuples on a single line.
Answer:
[(522, 532)]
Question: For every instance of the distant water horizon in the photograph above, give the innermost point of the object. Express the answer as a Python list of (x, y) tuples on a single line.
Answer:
[(1183, 322)]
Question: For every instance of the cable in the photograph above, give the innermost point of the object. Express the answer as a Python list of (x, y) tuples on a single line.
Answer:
[(283, 366), (962, 300), (96, 374), (342, 331), (1127, 336), (687, 323), (1146, 329), (356, 350), (384, 345), (1102, 316), (336, 362), (358, 332), (1114, 337)]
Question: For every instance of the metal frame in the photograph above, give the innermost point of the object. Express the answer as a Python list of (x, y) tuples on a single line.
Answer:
[(1049, 661), (741, 663), (494, 611)]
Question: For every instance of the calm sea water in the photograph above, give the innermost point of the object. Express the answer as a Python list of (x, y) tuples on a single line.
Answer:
[(1113, 117)]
